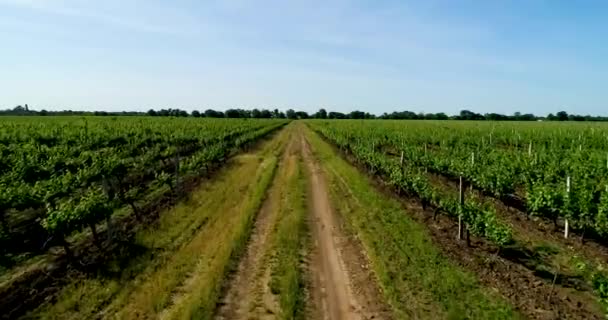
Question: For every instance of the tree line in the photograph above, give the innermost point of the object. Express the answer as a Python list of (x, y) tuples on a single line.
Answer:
[(321, 114)]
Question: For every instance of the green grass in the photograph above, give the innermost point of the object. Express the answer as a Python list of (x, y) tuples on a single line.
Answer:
[(286, 278), (416, 279)]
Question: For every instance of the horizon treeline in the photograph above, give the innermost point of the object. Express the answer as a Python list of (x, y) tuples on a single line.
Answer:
[(321, 114)]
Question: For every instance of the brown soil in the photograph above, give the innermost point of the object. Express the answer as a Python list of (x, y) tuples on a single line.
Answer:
[(532, 295), (342, 287)]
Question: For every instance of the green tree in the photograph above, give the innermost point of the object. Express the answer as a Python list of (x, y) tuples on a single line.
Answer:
[(321, 114), (291, 114)]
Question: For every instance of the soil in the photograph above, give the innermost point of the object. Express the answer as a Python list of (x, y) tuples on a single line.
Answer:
[(533, 295), (342, 287)]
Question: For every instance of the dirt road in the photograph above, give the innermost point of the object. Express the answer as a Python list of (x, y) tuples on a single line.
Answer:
[(338, 285), (342, 285)]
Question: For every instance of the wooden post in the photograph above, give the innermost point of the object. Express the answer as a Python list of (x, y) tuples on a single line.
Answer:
[(530, 149), (401, 161), (461, 202), (566, 224)]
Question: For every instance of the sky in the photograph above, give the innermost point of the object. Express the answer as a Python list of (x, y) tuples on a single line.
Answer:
[(531, 56)]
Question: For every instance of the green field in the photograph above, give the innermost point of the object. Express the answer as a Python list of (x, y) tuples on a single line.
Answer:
[(173, 218)]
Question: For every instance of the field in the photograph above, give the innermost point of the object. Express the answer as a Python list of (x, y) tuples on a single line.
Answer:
[(173, 218)]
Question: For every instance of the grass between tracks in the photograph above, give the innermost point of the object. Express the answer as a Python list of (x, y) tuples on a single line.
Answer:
[(291, 232), (180, 261), (417, 281)]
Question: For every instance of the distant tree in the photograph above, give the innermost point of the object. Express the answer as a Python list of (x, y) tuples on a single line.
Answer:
[(357, 115), (43, 112), (469, 115), (255, 113), (196, 114), (245, 113), (441, 116), (562, 116), (495, 117), (336, 115), (301, 115), (282, 115), (527, 117), (233, 113), (551, 117), (266, 114), (151, 113), (321, 114), (517, 116), (275, 113), (291, 114), (210, 113), (575, 117)]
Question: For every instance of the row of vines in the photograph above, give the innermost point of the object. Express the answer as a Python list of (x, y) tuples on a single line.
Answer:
[(60, 175), (528, 163), (364, 144)]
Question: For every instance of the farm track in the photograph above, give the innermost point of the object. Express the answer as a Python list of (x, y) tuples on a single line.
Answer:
[(342, 286), (338, 285), (247, 290), (534, 296)]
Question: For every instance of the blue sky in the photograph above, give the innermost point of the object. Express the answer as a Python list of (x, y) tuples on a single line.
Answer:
[(378, 56)]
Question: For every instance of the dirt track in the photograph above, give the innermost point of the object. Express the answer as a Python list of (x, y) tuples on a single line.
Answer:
[(342, 285), (339, 283), (248, 294)]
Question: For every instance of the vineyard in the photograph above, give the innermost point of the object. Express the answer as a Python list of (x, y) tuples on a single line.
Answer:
[(61, 175), (554, 172), (174, 218)]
